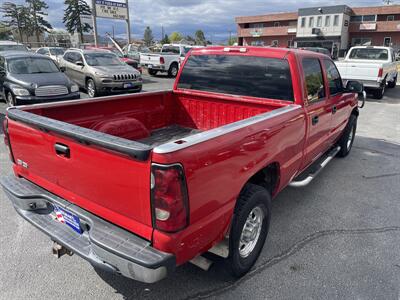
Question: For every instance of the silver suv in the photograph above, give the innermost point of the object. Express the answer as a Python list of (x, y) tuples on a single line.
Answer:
[(100, 72)]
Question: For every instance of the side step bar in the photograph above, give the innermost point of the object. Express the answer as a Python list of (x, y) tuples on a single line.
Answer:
[(314, 174)]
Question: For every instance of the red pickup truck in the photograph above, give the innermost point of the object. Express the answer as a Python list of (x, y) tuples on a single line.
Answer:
[(140, 184)]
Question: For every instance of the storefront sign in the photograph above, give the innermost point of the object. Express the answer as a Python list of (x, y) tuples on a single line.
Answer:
[(111, 10), (368, 26)]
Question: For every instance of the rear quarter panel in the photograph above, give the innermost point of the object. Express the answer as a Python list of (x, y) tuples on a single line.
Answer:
[(216, 170)]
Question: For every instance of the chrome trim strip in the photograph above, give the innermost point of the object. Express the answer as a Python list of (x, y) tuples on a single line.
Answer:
[(89, 100), (216, 132)]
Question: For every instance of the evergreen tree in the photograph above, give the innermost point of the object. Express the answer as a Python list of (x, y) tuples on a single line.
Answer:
[(165, 40), (37, 10), (72, 17), (175, 37), (148, 37), (200, 38), (16, 17)]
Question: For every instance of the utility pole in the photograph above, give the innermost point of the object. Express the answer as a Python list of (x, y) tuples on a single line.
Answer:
[(162, 32), (230, 37), (128, 24), (113, 32), (94, 23)]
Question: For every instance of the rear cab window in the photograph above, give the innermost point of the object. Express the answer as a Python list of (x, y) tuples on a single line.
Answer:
[(369, 54), (252, 76)]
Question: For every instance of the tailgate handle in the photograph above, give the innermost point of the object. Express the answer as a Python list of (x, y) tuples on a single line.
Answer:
[(62, 150)]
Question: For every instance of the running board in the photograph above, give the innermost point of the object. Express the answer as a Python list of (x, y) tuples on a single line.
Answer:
[(314, 174)]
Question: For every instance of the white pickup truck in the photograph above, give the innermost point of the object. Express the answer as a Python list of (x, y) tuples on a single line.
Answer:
[(373, 66), (169, 60)]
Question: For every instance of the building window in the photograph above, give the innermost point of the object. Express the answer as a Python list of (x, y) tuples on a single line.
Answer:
[(256, 25), (289, 43), (277, 24), (319, 21), (257, 43), (366, 18), (387, 41), (336, 20), (311, 22), (390, 18), (356, 19), (303, 22), (327, 21), (361, 41)]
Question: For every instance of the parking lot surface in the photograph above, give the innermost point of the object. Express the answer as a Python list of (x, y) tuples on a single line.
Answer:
[(339, 237)]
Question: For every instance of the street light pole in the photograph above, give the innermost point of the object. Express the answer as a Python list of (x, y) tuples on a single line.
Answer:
[(94, 22), (128, 23)]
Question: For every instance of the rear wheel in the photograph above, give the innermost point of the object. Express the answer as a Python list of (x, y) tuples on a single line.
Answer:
[(249, 228), (152, 72), (378, 93), (91, 88), (173, 70), (347, 139), (10, 99), (392, 84)]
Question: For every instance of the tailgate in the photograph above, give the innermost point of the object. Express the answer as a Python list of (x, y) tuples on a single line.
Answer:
[(94, 175), (150, 59), (364, 70)]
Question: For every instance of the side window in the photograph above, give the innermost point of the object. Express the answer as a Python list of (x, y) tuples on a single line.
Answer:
[(334, 81), (314, 79), (40, 51), (67, 56)]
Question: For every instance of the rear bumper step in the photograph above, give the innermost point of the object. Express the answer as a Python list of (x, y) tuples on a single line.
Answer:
[(316, 171), (103, 244)]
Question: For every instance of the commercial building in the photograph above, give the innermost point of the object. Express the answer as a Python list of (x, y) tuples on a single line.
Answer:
[(332, 27)]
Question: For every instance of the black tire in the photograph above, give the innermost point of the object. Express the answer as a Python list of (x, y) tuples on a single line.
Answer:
[(173, 70), (378, 93), (91, 88), (152, 72), (252, 198), (392, 84), (10, 99), (347, 139)]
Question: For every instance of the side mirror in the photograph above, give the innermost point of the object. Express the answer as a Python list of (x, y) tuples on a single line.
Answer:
[(80, 63), (353, 86), (62, 69)]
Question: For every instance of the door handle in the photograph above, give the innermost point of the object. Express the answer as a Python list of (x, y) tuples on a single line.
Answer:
[(62, 150), (334, 109), (314, 120)]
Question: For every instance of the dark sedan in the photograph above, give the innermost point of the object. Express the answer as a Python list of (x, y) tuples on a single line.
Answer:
[(27, 78)]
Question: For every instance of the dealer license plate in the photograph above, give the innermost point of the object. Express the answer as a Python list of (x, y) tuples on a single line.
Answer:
[(150, 66), (68, 218), (128, 85)]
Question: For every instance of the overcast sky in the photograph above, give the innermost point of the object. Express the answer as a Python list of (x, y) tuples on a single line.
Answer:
[(214, 17)]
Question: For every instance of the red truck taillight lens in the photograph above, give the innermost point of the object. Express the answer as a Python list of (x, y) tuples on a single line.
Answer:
[(169, 197), (380, 73), (162, 61)]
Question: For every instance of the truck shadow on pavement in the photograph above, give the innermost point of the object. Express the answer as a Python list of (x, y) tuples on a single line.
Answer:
[(345, 200), (390, 97)]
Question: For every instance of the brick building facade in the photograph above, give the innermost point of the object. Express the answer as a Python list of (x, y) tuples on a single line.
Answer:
[(330, 27)]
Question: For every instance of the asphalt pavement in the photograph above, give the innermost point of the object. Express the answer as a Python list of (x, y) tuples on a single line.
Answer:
[(338, 238)]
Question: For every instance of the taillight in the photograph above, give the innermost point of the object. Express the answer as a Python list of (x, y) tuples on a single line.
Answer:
[(162, 61), (169, 197), (7, 139), (380, 73)]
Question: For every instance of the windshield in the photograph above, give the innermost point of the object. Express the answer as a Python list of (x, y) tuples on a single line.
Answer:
[(238, 75), (170, 49), (57, 51), (369, 53), (31, 65), (13, 47), (117, 52), (102, 59)]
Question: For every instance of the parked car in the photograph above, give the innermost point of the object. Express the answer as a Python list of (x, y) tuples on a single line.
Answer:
[(154, 180), (27, 78), (122, 57), (168, 60), (133, 51), (12, 46), (373, 66), (100, 72), (55, 53), (318, 50)]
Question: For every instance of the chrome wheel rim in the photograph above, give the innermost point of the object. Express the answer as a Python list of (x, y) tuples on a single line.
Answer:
[(251, 231), (350, 138), (10, 100), (90, 88)]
